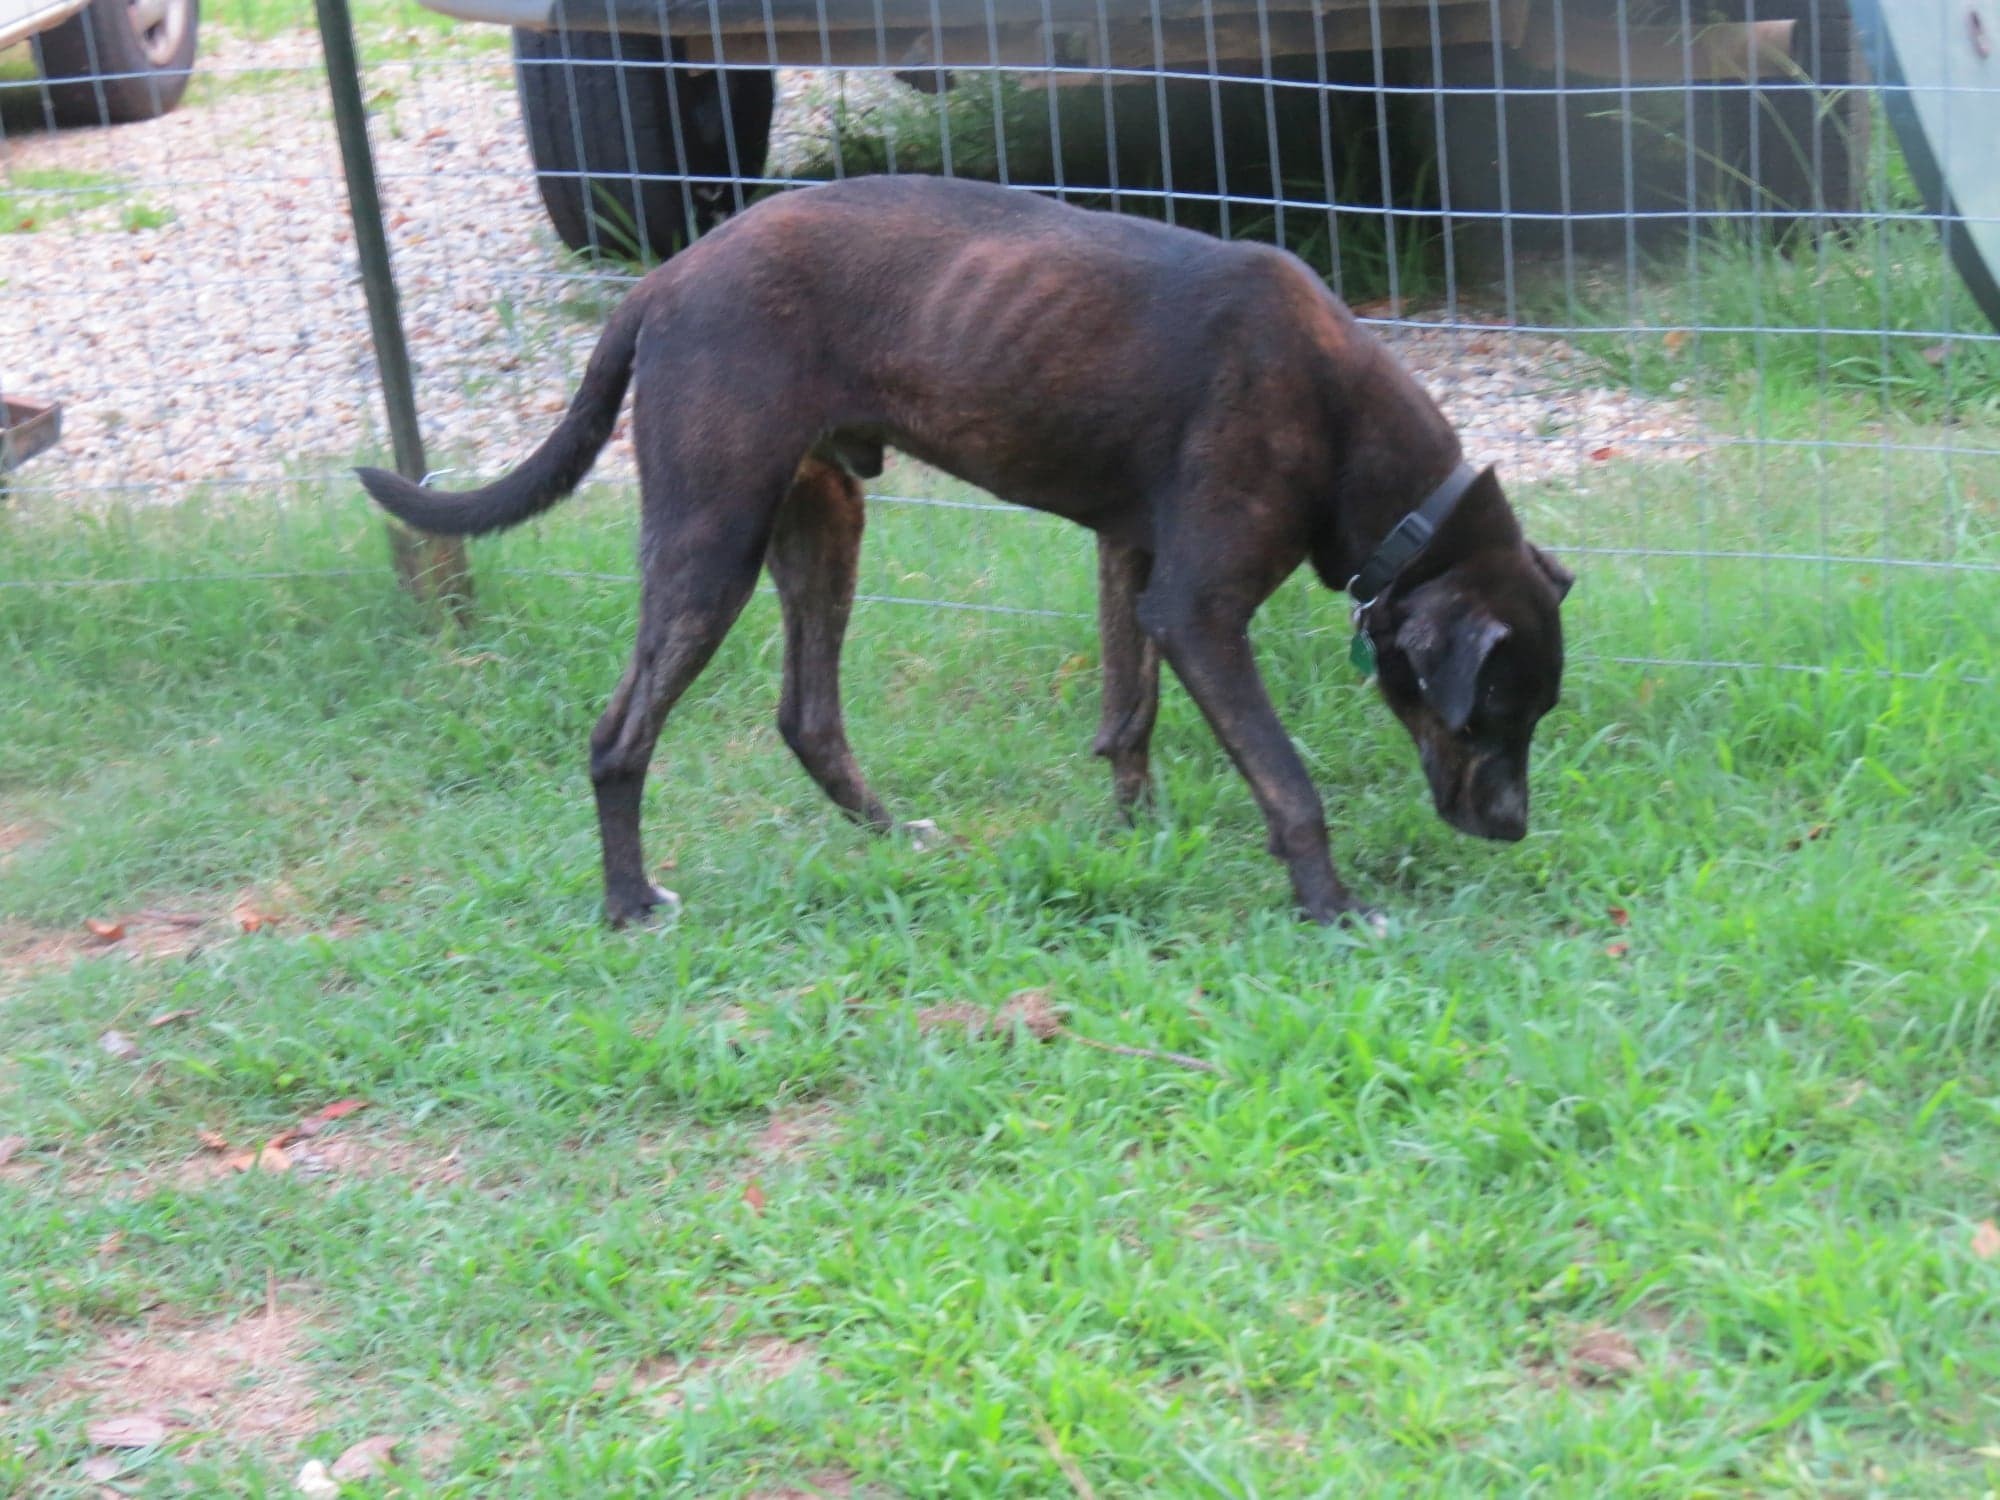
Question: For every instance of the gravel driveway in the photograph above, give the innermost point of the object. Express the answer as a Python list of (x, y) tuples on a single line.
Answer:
[(199, 315)]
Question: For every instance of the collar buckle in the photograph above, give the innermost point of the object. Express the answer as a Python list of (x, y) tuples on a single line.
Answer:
[(1407, 539)]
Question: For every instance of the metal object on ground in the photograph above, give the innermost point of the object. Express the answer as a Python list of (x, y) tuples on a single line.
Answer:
[(1939, 75), (433, 568), (27, 428)]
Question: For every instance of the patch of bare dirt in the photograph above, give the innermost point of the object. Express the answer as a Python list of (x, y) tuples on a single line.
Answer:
[(17, 1164), (241, 1379), (152, 934), (1031, 1010), (374, 1154), (366, 1155), (1603, 1356), (26, 950), (1598, 1357), (668, 1383), (16, 833), (792, 1134), (827, 1484), (312, 1148)]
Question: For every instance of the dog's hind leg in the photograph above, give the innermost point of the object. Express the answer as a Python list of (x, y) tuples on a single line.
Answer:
[(813, 557), (697, 572), (1131, 674)]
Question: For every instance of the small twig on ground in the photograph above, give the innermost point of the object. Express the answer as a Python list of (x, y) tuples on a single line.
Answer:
[(1068, 1465), (1179, 1059)]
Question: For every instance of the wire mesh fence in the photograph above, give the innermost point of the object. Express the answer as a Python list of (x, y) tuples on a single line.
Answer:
[(1665, 263)]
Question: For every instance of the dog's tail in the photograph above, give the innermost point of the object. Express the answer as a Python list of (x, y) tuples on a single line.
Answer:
[(547, 474)]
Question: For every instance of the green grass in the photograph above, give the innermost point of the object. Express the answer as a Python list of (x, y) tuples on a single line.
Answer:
[(267, 18), (1357, 1260), (1802, 333), (36, 197), (1861, 323), (140, 217)]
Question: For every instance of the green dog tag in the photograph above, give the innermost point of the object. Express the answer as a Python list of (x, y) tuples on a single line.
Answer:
[(1361, 651)]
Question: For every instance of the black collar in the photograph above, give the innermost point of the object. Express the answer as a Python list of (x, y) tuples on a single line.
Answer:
[(1409, 537)]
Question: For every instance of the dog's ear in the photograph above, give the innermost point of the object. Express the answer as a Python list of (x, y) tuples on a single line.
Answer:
[(1447, 656), (1554, 571)]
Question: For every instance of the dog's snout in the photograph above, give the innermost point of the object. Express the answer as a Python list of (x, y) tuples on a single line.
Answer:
[(1486, 797), (1499, 800)]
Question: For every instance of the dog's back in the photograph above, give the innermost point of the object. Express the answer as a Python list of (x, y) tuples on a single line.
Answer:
[(908, 303)]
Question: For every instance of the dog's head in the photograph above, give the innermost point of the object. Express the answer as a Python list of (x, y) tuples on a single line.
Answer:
[(1470, 660)]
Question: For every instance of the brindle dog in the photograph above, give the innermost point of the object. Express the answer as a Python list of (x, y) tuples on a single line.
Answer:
[(1208, 409)]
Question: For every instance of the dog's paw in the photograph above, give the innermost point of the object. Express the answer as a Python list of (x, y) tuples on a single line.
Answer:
[(1368, 920), (924, 835), (658, 907), (1361, 921)]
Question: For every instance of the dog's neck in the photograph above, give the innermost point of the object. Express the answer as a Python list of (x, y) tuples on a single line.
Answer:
[(1372, 499), (1482, 521)]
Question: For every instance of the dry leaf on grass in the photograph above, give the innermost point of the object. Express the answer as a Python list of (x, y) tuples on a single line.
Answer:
[(168, 1017), (366, 1458), (1602, 1356), (340, 1109), (1617, 950), (247, 917), (754, 1196), (1985, 1239), (127, 1432), (1620, 917), (103, 931), (117, 1044), (212, 1140), (11, 1146)]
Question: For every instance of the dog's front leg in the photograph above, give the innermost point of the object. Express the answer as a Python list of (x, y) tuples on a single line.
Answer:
[(1131, 674), (1209, 649)]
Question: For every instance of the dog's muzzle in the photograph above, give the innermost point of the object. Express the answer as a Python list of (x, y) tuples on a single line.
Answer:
[(1483, 794)]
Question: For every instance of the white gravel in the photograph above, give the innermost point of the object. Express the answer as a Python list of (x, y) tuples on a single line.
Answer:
[(229, 346)]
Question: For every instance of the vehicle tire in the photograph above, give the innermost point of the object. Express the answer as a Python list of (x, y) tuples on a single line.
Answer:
[(600, 112), (116, 61)]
